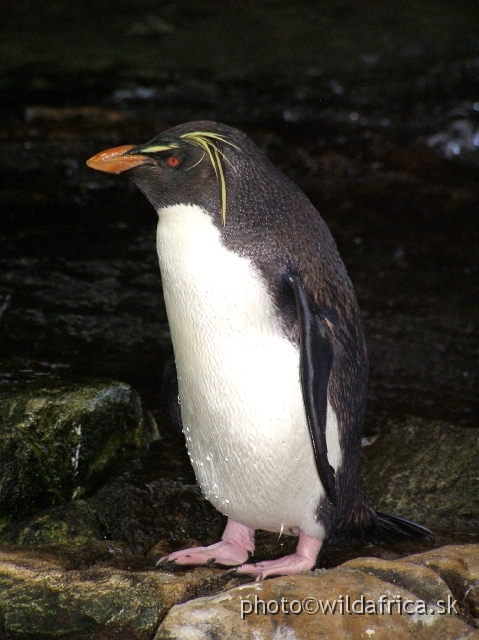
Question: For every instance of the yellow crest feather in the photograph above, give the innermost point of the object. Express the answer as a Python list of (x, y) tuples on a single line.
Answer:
[(206, 140)]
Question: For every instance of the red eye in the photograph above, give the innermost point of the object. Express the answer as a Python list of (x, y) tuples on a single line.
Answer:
[(172, 161)]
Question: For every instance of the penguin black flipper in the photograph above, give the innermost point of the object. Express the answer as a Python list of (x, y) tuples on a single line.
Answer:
[(316, 360)]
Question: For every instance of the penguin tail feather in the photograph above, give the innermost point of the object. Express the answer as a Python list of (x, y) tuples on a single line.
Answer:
[(364, 524), (390, 528)]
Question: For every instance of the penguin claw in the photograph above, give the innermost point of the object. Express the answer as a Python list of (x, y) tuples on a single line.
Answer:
[(229, 572), (209, 562), (167, 565), (259, 577), (162, 560)]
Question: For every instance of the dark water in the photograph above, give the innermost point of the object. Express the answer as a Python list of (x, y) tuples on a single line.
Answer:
[(372, 108)]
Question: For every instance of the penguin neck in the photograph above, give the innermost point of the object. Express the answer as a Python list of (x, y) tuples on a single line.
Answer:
[(185, 232), (203, 279)]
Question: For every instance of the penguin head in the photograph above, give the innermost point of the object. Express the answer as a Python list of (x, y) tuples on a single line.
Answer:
[(184, 165)]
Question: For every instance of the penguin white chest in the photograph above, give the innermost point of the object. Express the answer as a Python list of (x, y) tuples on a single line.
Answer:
[(239, 382)]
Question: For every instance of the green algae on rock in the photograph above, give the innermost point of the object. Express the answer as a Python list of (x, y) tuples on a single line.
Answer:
[(129, 510), (56, 435), (44, 593), (99, 590), (74, 523)]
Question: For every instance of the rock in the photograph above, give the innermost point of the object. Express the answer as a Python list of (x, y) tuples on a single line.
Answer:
[(458, 565), (99, 590), (147, 499), (140, 514), (132, 509), (425, 583), (426, 471), (72, 523), (295, 610), (57, 435), (48, 593)]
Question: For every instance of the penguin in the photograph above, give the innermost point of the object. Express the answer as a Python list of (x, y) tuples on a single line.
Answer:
[(268, 345)]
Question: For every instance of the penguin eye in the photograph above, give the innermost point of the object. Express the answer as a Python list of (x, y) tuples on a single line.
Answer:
[(172, 161)]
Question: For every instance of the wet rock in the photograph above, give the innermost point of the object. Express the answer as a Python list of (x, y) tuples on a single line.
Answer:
[(426, 471), (82, 308), (57, 435), (140, 514), (66, 557), (145, 500), (142, 507), (295, 609), (46, 594)]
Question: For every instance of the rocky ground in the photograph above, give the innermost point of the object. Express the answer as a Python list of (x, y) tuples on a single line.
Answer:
[(373, 109)]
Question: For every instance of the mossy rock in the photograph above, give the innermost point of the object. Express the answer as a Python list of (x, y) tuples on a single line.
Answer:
[(74, 523), (426, 471), (78, 593), (58, 434)]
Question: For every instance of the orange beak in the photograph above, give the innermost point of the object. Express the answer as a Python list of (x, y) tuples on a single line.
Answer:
[(114, 160)]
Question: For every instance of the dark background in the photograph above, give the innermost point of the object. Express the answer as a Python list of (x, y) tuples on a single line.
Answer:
[(371, 107)]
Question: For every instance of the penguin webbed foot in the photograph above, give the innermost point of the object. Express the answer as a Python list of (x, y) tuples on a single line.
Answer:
[(235, 548), (290, 565), (303, 559), (223, 553)]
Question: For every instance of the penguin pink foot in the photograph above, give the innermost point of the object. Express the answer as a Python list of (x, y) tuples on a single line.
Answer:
[(235, 547), (303, 559)]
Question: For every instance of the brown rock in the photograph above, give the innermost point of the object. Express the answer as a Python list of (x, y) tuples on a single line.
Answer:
[(420, 580), (232, 615), (458, 566)]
